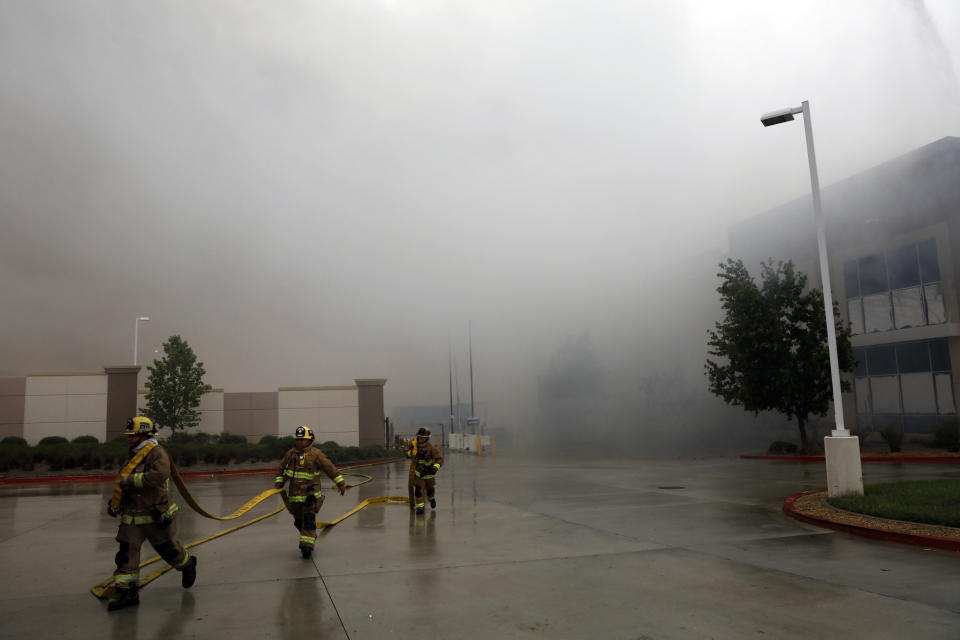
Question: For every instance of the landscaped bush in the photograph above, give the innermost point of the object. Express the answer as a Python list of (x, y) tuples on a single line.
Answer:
[(893, 435), (15, 456), (52, 440), (86, 453), (14, 440), (946, 434), (229, 438), (187, 438)]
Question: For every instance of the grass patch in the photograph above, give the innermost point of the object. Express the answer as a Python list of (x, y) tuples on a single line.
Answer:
[(928, 501)]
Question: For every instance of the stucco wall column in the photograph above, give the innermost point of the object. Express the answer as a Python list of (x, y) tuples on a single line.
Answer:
[(121, 398), (371, 412)]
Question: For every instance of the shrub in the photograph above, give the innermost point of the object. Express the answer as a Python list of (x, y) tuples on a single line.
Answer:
[(333, 451), (14, 440), (946, 434), (15, 456), (85, 440), (372, 452), (893, 435), (229, 438), (52, 440), (183, 437)]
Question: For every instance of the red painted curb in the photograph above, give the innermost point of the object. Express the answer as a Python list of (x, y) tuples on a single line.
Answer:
[(892, 536), (185, 474), (911, 459)]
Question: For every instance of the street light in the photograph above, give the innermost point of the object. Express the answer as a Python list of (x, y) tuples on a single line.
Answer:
[(136, 336), (843, 457), (786, 115)]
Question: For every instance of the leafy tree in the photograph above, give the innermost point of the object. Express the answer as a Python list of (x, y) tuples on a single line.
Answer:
[(175, 386), (774, 341)]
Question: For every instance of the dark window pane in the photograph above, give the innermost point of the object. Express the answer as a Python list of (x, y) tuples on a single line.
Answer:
[(850, 279), (903, 267), (940, 355), (929, 268), (873, 275), (881, 360), (913, 357), (860, 355)]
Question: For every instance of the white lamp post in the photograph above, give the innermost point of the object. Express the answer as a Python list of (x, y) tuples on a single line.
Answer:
[(136, 336), (842, 450)]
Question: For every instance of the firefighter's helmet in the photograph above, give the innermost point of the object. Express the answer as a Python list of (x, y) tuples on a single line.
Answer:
[(140, 426), (423, 431), (303, 431)]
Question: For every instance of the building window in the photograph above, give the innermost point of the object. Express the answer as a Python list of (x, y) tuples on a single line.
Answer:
[(894, 290), (905, 383)]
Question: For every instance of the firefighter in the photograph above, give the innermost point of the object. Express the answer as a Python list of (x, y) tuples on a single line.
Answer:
[(410, 449), (146, 513), (303, 465), (427, 461)]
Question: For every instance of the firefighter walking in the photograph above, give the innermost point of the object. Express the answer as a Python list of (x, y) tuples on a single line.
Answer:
[(302, 466), (426, 461), (141, 501)]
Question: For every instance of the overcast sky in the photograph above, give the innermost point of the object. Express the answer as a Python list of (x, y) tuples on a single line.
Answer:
[(311, 192)]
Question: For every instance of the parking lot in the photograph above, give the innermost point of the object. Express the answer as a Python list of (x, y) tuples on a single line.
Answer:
[(517, 548)]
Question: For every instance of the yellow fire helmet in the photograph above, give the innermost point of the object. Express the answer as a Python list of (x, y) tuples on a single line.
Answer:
[(423, 431), (140, 426), (303, 431)]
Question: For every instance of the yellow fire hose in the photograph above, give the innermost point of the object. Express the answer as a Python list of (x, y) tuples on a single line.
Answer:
[(107, 589)]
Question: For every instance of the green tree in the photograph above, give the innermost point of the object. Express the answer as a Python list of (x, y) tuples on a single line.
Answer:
[(174, 386), (773, 339)]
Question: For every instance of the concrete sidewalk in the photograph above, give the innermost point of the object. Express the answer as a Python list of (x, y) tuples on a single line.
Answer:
[(517, 549)]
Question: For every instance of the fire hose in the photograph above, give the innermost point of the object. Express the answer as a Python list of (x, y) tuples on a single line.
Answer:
[(107, 589)]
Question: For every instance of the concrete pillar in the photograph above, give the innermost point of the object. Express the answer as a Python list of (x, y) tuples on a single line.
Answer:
[(13, 392), (371, 414), (121, 398), (844, 473)]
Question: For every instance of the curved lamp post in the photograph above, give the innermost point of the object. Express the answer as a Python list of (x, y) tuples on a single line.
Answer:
[(844, 474)]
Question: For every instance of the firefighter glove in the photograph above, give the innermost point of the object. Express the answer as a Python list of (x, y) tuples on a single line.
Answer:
[(341, 487), (111, 512)]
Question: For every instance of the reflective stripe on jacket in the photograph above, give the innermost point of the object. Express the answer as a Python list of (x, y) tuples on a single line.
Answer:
[(428, 461), (304, 469), (145, 495)]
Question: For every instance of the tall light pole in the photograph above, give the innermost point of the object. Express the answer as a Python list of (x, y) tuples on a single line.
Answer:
[(841, 476), (136, 336)]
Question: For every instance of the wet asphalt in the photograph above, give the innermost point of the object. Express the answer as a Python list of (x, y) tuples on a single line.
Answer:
[(517, 548)]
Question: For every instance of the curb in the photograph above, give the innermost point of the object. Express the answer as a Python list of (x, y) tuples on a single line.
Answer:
[(911, 459), (906, 538), (185, 474)]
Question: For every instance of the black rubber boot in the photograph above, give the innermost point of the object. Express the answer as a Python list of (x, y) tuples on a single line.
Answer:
[(419, 511), (188, 575), (433, 503), (306, 552), (128, 598)]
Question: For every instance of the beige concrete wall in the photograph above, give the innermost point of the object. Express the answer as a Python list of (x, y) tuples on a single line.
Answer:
[(250, 414), (67, 404), (332, 412)]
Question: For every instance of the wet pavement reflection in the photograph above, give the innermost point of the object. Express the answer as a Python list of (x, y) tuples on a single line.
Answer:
[(515, 548)]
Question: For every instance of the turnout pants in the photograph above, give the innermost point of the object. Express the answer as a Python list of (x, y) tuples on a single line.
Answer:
[(411, 484), (131, 537), (424, 486), (305, 520)]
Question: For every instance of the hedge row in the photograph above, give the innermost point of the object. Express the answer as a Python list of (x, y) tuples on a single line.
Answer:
[(186, 450)]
